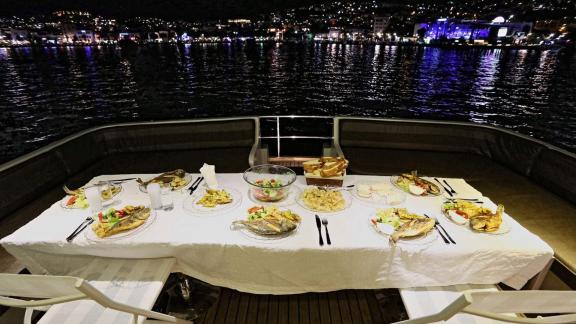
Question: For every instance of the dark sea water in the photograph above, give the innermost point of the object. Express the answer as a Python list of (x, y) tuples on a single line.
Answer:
[(48, 93)]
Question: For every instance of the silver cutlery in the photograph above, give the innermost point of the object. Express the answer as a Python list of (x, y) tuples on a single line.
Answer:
[(195, 184), (449, 186), (325, 223), (445, 189), (437, 230), (89, 220), (474, 200), (319, 225), (438, 225)]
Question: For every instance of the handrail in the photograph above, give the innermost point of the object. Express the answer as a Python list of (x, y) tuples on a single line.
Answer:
[(279, 137)]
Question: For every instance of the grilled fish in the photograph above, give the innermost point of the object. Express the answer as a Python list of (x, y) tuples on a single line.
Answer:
[(164, 178), (414, 227), (268, 225)]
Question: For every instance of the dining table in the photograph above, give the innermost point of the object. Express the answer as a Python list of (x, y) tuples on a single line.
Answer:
[(209, 246)]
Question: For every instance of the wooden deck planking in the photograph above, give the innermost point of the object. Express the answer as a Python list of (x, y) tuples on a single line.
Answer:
[(341, 307)]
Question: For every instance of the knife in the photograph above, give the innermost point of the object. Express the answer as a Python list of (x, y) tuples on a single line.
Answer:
[(448, 191), (319, 225), (449, 186)]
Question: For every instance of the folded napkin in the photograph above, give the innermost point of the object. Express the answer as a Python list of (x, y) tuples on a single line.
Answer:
[(209, 173), (462, 188)]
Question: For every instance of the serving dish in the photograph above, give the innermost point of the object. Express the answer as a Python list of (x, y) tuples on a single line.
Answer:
[(324, 200), (268, 182)]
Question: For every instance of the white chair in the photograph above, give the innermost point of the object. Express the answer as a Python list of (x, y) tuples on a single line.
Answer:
[(486, 304), (110, 291)]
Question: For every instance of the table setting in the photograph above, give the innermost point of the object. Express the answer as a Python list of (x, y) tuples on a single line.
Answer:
[(268, 230)]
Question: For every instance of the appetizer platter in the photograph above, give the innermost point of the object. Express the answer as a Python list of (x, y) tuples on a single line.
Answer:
[(207, 200), (120, 223), (402, 226), (325, 171), (377, 192), (268, 223), (415, 185), (175, 180), (324, 200), (76, 199), (478, 218)]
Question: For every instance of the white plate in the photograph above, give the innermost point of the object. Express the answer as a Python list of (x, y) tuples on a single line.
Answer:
[(428, 238), (345, 194), (290, 199), (91, 236), (64, 200), (393, 179), (187, 177), (374, 198), (503, 229), (264, 238), (190, 205)]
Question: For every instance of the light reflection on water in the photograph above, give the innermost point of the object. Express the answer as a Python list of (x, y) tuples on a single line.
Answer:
[(48, 93)]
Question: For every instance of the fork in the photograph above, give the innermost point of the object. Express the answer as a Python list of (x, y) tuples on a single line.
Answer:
[(438, 225), (325, 223)]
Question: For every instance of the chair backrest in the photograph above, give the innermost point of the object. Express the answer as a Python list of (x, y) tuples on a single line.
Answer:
[(37, 286), (527, 301)]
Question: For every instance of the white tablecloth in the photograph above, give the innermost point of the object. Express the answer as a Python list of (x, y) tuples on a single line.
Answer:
[(359, 258)]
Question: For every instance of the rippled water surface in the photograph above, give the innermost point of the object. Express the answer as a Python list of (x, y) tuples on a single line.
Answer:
[(48, 93)]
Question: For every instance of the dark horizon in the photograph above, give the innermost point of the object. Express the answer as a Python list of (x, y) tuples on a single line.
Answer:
[(168, 9)]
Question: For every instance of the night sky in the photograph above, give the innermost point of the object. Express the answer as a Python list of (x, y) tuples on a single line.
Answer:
[(172, 9)]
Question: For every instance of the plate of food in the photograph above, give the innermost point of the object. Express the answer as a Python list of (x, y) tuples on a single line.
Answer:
[(399, 225), (76, 199), (324, 199), (115, 224), (268, 223), (478, 218), (212, 200), (415, 185), (377, 192), (175, 180)]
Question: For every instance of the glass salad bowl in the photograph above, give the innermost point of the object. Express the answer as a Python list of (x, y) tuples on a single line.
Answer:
[(268, 182)]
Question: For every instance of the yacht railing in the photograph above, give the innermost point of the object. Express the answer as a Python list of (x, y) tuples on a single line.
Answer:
[(285, 136)]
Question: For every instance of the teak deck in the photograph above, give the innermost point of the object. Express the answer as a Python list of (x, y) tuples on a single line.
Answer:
[(345, 306)]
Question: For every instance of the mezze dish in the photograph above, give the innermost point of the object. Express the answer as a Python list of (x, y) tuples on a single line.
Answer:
[(480, 219), (322, 199), (76, 199), (398, 223), (269, 221), (413, 184)]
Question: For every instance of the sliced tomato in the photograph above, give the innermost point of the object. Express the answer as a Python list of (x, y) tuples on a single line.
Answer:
[(100, 216), (461, 213), (254, 209), (71, 201)]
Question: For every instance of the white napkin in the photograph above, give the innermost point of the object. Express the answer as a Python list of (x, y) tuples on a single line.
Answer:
[(462, 188), (209, 173)]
